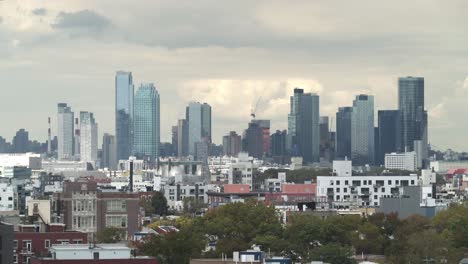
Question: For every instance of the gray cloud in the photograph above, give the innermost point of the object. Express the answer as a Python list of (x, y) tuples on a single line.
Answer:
[(39, 12), (1, 19), (84, 19)]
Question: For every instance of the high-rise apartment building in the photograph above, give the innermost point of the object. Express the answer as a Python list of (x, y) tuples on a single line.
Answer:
[(198, 118), (21, 141), (109, 152), (252, 140), (232, 144), (88, 138), (278, 149), (65, 130), (146, 122), (174, 139), (303, 126), (413, 116), (362, 130), (343, 132), (388, 134), (124, 114)]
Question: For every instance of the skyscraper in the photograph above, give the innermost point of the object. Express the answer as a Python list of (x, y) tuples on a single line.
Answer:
[(198, 118), (278, 146), (303, 126), (388, 134), (65, 129), (343, 132), (182, 138), (109, 152), (88, 137), (252, 140), (147, 122), (21, 141), (124, 113), (174, 139), (362, 130), (413, 115), (232, 144)]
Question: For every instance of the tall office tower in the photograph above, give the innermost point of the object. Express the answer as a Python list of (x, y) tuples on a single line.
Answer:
[(413, 116), (388, 134), (278, 146), (174, 139), (146, 122), (252, 140), (264, 125), (109, 152), (88, 138), (65, 129), (21, 141), (124, 114), (232, 144), (49, 137), (362, 130), (182, 138), (77, 140), (198, 118), (4, 145), (343, 132), (324, 127), (303, 126)]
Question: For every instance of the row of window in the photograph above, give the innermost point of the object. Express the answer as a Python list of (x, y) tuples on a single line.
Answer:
[(27, 244), (116, 221), (369, 182)]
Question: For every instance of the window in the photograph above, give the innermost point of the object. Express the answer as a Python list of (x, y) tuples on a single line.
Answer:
[(412, 182), (337, 189), (27, 245), (10, 198), (345, 190), (375, 197), (389, 182), (63, 241), (337, 182), (95, 255), (346, 182), (47, 243), (77, 241), (383, 190), (15, 258), (116, 206), (15, 244), (116, 220)]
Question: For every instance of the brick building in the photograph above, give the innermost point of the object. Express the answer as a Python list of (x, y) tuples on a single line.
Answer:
[(83, 207), (31, 241)]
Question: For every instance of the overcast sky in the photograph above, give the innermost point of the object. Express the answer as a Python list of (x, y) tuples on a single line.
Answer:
[(229, 54)]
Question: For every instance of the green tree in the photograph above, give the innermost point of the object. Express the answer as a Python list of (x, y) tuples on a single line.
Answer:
[(159, 203), (110, 235), (147, 205), (239, 225), (334, 254), (191, 205)]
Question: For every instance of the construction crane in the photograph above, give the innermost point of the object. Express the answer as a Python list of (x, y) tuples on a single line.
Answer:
[(253, 110)]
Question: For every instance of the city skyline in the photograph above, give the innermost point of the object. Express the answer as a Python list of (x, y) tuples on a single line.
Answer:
[(323, 59)]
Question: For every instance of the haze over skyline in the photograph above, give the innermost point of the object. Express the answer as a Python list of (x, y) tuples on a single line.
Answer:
[(229, 55)]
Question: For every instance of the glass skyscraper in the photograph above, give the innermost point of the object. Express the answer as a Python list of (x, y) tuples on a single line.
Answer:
[(362, 130), (411, 106), (388, 134), (146, 122), (343, 132), (198, 118), (124, 114), (65, 130), (303, 126)]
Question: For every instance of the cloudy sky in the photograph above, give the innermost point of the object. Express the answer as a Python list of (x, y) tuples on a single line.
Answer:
[(229, 54)]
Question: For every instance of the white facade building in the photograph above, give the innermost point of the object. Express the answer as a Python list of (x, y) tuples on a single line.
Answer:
[(30, 160), (401, 161), (361, 190), (241, 171), (7, 195), (342, 168), (65, 130), (87, 252), (88, 138)]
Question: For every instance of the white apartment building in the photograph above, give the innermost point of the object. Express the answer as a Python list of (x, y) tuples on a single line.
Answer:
[(7, 197), (401, 161), (361, 190), (241, 171), (30, 160), (444, 166), (342, 168)]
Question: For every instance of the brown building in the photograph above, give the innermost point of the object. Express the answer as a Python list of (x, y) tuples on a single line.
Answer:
[(83, 207)]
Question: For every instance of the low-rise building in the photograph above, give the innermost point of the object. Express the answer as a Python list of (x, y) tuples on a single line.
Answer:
[(401, 161), (99, 254)]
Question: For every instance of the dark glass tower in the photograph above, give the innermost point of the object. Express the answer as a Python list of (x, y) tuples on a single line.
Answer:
[(124, 114), (343, 132), (411, 106), (388, 134), (303, 126)]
